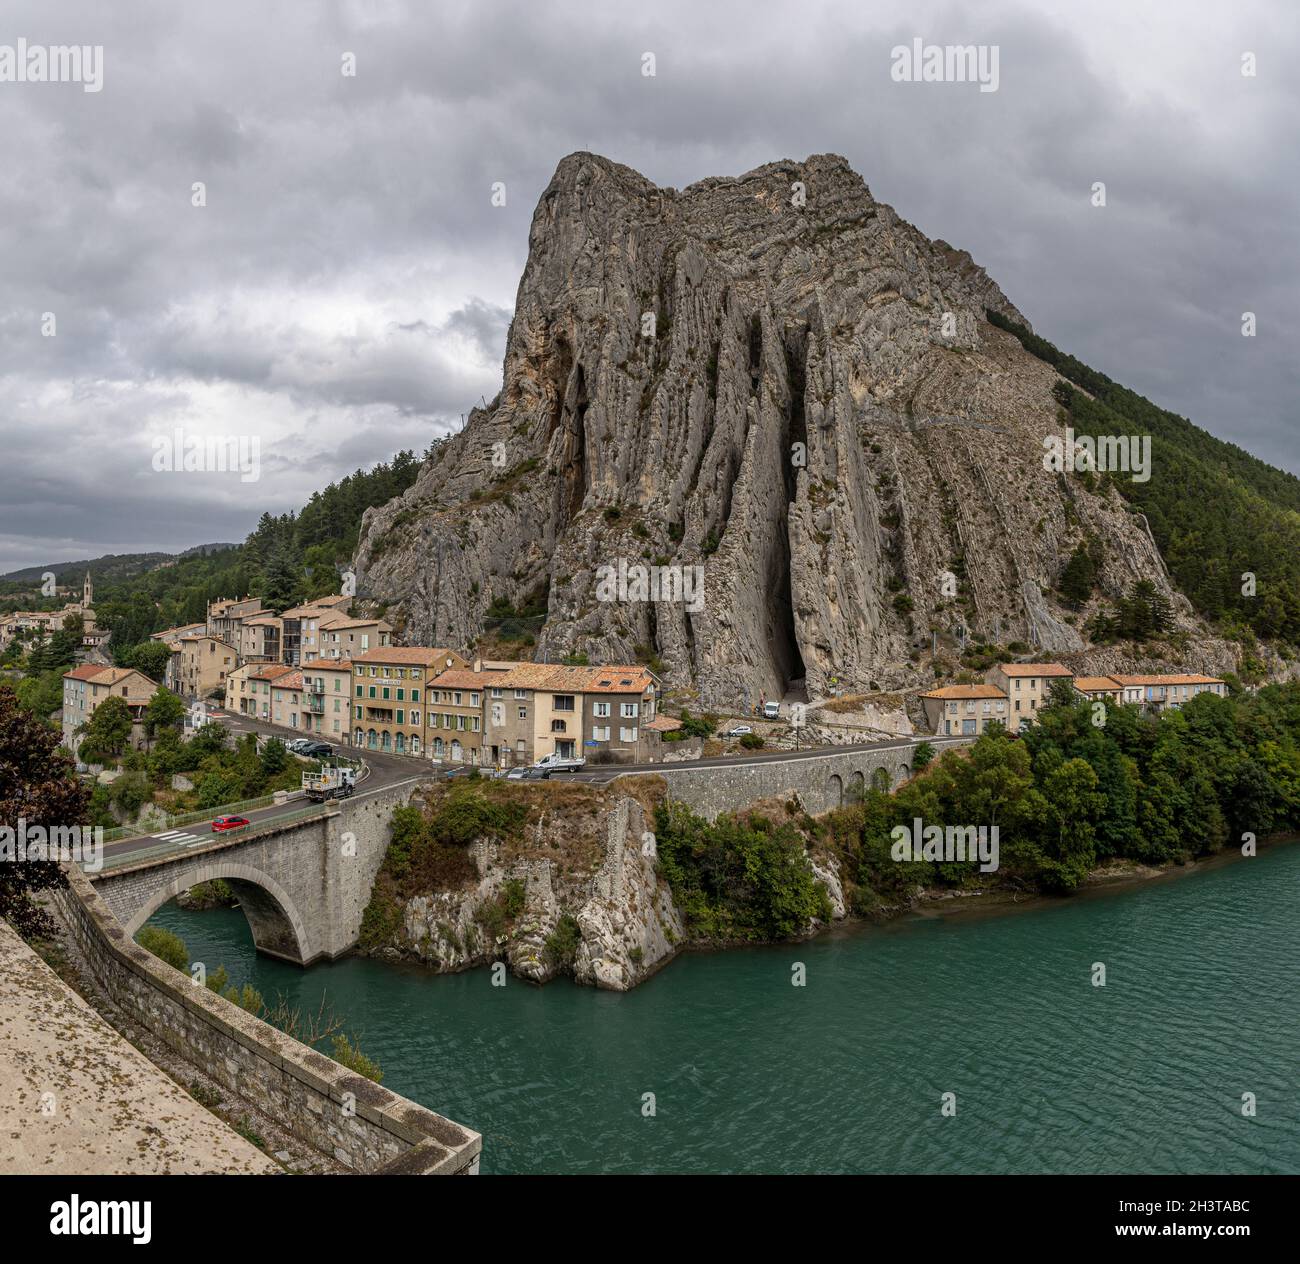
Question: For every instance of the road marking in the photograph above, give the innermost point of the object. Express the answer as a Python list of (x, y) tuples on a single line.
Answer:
[(180, 837)]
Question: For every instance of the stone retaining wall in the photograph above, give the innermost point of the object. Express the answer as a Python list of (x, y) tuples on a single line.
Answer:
[(362, 1124)]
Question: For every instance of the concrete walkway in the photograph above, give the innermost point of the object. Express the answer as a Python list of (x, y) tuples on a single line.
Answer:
[(76, 1098)]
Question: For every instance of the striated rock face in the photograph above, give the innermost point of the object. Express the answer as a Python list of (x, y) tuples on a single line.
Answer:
[(805, 400), (627, 924)]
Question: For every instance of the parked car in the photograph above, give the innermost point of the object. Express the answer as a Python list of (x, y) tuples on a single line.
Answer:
[(518, 774), (297, 743), (315, 750), (737, 730), (228, 823)]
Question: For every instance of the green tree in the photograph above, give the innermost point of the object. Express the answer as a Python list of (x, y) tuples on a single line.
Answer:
[(165, 945), (165, 712), (1078, 577), (37, 784), (108, 731), (149, 657)]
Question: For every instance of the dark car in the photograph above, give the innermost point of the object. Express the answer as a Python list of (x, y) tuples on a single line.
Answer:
[(229, 823), (314, 750)]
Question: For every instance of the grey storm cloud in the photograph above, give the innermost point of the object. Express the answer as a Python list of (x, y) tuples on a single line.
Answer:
[(345, 288)]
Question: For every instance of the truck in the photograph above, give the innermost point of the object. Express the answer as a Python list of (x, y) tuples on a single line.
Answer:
[(335, 782), (555, 762)]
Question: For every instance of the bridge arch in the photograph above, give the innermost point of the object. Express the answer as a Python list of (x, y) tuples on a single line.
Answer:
[(835, 791), (904, 772), (277, 925)]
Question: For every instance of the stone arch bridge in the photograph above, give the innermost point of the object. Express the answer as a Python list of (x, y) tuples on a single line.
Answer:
[(303, 884)]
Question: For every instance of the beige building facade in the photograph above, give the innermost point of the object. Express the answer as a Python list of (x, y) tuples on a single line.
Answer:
[(389, 688), (964, 710), (202, 666)]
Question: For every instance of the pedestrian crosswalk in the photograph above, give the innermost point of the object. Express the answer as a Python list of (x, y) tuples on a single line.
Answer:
[(180, 837)]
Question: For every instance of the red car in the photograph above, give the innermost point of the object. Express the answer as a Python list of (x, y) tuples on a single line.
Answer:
[(228, 823)]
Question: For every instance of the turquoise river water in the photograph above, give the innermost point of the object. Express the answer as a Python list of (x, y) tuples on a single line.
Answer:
[(847, 1073)]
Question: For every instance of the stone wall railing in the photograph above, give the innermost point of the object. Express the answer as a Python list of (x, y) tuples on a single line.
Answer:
[(361, 1124)]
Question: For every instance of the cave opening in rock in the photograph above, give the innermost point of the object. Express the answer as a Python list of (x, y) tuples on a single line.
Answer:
[(786, 654), (573, 449)]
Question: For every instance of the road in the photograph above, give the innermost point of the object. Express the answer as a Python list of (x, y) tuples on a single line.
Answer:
[(387, 770)]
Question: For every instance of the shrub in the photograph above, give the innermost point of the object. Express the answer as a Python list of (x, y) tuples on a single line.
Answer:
[(165, 946), (562, 943)]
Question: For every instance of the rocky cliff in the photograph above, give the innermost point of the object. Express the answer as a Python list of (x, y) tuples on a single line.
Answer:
[(575, 892), (777, 380)]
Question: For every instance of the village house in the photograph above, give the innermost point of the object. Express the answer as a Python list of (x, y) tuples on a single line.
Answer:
[(454, 716), (619, 706), (1027, 687), (535, 709), (1168, 692), (259, 639), (341, 636), (249, 688), (202, 665), (302, 625), (327, 687), (388, 695), (511, 714), (288, 704), (965, 710), (174, 634), (86, 688), (227, 614)]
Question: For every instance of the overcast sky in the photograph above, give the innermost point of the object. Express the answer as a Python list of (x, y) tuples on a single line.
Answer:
[(345, 291)]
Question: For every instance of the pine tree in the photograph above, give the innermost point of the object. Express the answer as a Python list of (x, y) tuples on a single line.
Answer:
[(1078, 577)]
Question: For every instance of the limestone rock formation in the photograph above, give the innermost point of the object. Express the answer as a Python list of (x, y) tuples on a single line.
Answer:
[(776, 379), (626, 923)]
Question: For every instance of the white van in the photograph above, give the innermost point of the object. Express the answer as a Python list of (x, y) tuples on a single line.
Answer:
[(771, 710)]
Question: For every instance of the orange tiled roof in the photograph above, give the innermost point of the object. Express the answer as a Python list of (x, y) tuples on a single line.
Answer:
[(1034, 669), (87, 671), (457, 678), (269, 671), (664, 724), (620, 679), (420, 655), (1194, 678), (575, 679), (966, 691), (1095, 684), (525, 676)]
